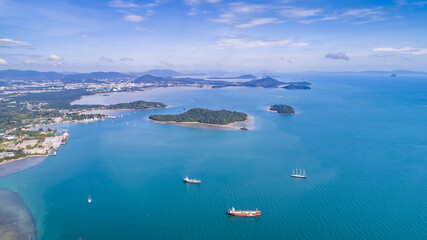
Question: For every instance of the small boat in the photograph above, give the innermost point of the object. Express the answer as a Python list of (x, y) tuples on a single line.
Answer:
[(89, 200), (195, 181), (301, 173), (247, 213)]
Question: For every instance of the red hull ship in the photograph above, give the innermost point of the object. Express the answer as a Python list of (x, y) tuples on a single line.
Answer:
[(64, 138), (195, 181), (241, 213)]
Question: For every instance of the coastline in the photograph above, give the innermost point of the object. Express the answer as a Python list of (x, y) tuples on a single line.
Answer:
[(108, 112), (230, 126)]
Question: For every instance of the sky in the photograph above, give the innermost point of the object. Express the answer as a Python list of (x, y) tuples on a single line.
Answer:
[(213, 35)]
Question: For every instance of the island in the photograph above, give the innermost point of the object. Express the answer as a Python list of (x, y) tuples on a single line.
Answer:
[(296, 86), (137, 105), (203, 116), (282, 109)]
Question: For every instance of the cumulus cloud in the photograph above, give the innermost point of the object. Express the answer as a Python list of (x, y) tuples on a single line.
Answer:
[(105, 59), (126, 59), (3, 62), (338, 56), (6, 42), (238, 43), (133, 18), (404, 50), (257, 22), (54, 57)]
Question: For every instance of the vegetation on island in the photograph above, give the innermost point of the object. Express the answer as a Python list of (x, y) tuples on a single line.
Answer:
[(266, 82), (138, 105), (200, 115), (283, 109)]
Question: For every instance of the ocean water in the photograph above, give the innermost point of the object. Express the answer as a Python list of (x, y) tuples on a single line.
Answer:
[(362, 140)]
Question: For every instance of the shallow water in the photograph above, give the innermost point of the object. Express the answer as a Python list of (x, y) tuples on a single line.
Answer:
[(361, 140), (16, 222)]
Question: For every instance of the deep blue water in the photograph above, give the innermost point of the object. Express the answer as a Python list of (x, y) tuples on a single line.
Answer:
[(361, 138)]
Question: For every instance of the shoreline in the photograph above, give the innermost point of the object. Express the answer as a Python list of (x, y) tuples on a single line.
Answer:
[(71, 122), (230, 126), (23, 158)]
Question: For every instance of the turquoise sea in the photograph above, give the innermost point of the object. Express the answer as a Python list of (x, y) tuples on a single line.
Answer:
[(362, 140)]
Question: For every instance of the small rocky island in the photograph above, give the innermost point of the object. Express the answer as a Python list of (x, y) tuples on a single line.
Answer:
[(203, 116), (282, 109)]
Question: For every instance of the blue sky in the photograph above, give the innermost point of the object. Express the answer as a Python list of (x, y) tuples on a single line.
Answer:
[(213, 35)]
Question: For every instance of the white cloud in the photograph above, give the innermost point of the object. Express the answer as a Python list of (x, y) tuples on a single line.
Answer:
[(299, 12), (238, 43), (213, 1), (238, 11), (6, 42), (404, 50), (133, 18), (31, 62), (195, 11), (126, 59), (257, 22), (54, 57), (122, 4), (192, 2), (3, 62), (227, 18)]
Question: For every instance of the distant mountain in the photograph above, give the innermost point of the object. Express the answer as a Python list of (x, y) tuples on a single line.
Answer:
[(99, 76), (150, 79), (164, 80), (247, 76), (266, 82), (29, 75), (158, 73)]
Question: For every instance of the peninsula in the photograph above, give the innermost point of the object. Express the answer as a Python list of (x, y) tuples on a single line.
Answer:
[(203, 116), (282, 109)]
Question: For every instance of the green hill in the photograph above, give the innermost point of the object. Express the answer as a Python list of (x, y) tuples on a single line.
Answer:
[(200, 115), (283, 109)]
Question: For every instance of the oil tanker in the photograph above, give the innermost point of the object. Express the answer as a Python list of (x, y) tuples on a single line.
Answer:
[(241, 213), (195, 181)]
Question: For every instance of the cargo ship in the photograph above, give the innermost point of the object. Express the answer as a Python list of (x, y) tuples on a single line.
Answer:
[(301, 174), (64, 138), (247, 213), (195, 181)]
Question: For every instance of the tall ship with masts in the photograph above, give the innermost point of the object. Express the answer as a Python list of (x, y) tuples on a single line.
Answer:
[(298, 174)]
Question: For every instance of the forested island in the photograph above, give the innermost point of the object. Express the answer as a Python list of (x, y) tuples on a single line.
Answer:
[(282, 109), (200, 115), (138, 105)]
